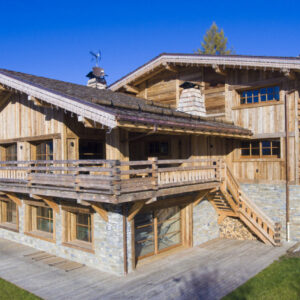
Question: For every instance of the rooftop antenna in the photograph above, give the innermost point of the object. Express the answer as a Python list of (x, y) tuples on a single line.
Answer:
[(96, 56)]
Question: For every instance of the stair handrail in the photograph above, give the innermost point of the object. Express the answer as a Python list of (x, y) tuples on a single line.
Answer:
[(248, 203), (257, 210)]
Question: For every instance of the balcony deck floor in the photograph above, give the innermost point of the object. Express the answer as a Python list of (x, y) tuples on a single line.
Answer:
[(206, 272)]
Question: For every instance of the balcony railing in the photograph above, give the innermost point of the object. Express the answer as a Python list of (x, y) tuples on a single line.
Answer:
[(108, 180)]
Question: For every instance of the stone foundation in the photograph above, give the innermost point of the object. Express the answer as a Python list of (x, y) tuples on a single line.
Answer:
[(108, 241), (271, 199), (233, 228), (205, 223)]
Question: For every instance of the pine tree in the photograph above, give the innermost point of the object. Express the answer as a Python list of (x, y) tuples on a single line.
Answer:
[(214, 42)]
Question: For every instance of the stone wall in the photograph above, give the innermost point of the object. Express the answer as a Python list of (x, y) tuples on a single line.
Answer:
[(205, 223), (192, 101), (233, 228), (271, 199), (108, 241)]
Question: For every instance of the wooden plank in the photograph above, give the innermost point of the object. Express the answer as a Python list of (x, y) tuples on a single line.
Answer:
[(14, 198), (49, 201), (101, 211), (137, 206)]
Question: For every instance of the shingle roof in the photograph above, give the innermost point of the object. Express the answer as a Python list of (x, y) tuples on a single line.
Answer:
[(125, 107)]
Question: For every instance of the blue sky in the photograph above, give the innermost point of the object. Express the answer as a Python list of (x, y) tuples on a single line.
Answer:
[(53, 38)]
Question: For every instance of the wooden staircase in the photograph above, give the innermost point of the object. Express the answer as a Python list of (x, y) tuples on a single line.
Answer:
[(231, 201)]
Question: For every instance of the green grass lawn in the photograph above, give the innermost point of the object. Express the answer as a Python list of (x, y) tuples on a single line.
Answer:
[(9, 291), (281, 280)]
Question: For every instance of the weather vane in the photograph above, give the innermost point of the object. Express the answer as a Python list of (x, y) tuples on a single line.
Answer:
[(96, 57)]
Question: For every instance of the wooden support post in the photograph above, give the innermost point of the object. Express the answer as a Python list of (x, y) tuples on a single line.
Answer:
[(137, 206), (14, 198), (49, 201), (200, 196), (101, 211), (154, 175)]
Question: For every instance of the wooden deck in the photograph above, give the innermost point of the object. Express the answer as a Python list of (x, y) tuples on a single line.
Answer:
[(207, 272), (110, 181)]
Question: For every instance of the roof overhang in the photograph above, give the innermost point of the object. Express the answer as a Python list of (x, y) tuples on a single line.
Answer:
[(233, 61), (81, 108)]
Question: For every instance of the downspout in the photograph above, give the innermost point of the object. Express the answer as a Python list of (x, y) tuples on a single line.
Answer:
[(287, 168)]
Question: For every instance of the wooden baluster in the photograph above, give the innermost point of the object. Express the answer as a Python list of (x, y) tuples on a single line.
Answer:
[(154, 173), (116, 174)]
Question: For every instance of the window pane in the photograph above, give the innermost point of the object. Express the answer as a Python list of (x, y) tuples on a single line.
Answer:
[(263, 91), (263, 98), (255, 144), (45, 219), (11, 212), (245, 152), (168, 227), (83, 227), (255, 151), (144, 234), (266, 151), (243, 100), (245, 144), (266, 143), (83, 233)]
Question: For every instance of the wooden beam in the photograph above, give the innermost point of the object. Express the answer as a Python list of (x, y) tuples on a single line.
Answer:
[(131, 89), (4, 99), (200, 196), (219, 70), (170, 68), (49, 201), (38, 102), (137, 206), (14, 198), (101, 211), (289, 74)]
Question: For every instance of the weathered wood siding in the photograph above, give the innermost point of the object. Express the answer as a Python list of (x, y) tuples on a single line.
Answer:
[(20, 118)]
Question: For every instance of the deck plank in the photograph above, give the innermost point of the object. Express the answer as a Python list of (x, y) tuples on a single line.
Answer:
[(206, 272)]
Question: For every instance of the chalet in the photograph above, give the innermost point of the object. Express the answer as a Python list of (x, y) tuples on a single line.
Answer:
[(182, 150)]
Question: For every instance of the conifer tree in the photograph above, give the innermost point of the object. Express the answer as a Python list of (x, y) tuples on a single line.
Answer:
[(215, 42)]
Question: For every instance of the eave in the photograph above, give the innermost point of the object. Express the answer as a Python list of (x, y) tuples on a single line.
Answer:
[(82, 108), (285, 65)]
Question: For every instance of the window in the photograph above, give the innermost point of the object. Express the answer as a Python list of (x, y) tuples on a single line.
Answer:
[(78, 228), (262, 148), (39, 220), (8, 213), (44, 150), (89, 149), (44, 219), (158, 148), (261, 95), (156, 231), (83, 227), (9, 152)]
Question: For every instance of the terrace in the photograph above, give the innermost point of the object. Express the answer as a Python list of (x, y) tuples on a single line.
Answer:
[(110, 181)]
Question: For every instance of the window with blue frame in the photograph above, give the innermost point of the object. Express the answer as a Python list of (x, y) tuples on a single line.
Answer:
[(260, 148), (261, 95)]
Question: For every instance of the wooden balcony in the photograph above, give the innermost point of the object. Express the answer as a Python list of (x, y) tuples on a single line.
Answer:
[(109, 181)]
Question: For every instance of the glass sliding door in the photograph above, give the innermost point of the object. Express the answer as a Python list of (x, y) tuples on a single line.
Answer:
[(157, 231), (144, 235), (168, 227)]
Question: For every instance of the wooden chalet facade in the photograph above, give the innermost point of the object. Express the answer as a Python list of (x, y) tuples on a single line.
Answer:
[(157, 162)]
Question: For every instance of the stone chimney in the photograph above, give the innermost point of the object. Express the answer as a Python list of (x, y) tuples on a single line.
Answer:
[(191, 100), (97, 78)]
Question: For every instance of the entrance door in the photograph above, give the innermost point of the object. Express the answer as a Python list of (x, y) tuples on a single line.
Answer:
[(157, 231)]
